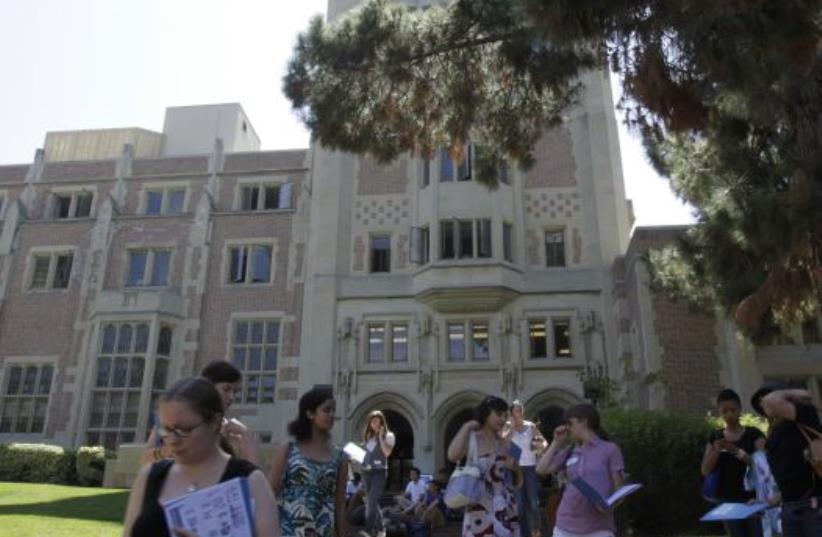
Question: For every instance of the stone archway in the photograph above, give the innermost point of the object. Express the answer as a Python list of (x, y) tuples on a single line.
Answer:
[(448, 419), (403, 420), (548, 407)]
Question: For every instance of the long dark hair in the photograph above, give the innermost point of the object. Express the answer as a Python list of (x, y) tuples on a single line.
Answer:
[(310, 401), (590, 415), (367, 433)]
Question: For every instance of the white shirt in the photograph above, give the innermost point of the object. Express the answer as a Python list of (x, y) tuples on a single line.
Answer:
[(523, 441), (390, 440), (416, 491)]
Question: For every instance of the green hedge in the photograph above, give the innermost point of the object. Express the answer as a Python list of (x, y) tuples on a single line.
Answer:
[(663, 451), (42, 463)]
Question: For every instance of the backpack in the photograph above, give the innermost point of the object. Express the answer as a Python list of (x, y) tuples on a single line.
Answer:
[(814, 453)]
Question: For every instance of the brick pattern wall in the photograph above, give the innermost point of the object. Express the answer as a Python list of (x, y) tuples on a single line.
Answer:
[(555, 165), (377, 179), (101, 169), (274, 160), (13, 174), (162, 166)]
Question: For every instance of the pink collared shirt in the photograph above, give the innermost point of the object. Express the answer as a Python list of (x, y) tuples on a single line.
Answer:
[(595, 462)]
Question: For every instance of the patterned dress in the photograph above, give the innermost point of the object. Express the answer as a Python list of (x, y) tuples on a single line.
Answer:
[(309, 491), (496, 511)]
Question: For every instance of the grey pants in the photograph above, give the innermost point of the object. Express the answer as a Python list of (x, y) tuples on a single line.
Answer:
[(374, 485)]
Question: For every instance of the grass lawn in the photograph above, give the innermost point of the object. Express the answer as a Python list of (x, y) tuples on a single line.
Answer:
[(33, 510)]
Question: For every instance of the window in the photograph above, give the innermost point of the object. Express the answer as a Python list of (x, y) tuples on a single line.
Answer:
[(25, 398), (381, 253), (420, 245), (165, 201), (557, 339), (479, 339), (118, 381), (508, 242), (399, 342), (447, 240), (72, 205), (483, 238), (456, 342), (2, 205), (265, 197), (460, 349), (539, 340), (255, 351), (562, 338), (148, 267), (393, 349), (426, 173), (250, 264), (51, 270), (458, 239), (555, 248), (451, 169)]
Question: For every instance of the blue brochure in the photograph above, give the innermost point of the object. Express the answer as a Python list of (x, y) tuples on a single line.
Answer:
[(733, 511), (515, 451), (596, 498)]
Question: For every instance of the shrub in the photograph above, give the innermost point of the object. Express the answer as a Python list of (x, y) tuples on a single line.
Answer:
[(37, 463), (91, 464), (663, 451)]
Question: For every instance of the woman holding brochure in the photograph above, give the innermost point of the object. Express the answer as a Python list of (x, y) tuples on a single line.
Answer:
[(379, 443), (310, 474), (580, 450), (191, 414)]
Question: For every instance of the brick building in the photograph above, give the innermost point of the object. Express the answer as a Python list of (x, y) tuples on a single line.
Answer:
[(130, 258)]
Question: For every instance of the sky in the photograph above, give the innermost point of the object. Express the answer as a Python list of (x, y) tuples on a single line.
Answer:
[(86, 64)]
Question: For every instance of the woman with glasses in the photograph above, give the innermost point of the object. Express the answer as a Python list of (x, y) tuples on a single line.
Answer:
[(190, 415), (309, 474), (237, 439), (581, 450), (495, 513)]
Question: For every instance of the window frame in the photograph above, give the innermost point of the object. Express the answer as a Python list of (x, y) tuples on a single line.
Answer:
[(53, 253), (259, 374), (150, 266), (250, 244), (457, 245), (165, 190), (508, 242), (24, 363), (73, 194), (261, 185), (387, 341), (372, 253), (469, 342), (549, 322), (561, 232)]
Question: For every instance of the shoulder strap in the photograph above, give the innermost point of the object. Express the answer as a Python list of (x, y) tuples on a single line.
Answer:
[(808, 431), (238, 468), (156, 478), (472, 448)]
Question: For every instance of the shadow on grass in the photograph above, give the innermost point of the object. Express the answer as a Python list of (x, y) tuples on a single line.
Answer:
[(109, 507)]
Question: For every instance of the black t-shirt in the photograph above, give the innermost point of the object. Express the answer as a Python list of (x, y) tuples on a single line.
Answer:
[(786, 456), (151, 522), (732, 470)]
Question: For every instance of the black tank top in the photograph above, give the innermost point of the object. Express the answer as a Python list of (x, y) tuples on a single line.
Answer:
[(151, 522)]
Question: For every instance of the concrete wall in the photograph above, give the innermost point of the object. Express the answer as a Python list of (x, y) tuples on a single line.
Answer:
[(191, 130)]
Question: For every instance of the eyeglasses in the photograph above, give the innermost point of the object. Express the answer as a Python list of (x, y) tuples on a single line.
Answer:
[(179, 432)]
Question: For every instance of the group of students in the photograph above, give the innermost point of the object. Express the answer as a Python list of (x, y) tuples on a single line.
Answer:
[(196, 445), (741, 464)]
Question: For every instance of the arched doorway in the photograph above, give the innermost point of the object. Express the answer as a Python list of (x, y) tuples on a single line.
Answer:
[(451, 430), (549, 418), (547, 408), (402, 457)]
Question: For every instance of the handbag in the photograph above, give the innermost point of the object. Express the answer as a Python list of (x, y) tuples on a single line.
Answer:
[(464, 485), (814, 453)]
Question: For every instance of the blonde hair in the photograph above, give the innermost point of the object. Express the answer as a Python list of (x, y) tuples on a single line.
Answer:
[(367, 433)]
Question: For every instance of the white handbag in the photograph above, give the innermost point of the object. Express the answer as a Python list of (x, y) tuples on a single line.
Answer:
[(465, 484)]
